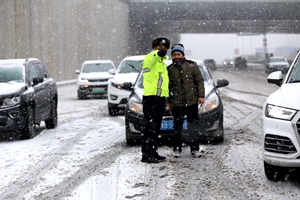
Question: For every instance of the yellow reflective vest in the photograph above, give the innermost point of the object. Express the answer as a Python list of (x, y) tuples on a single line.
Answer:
[(155, 75)]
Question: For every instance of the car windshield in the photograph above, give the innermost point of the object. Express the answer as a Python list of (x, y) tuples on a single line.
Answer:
[(277, 60), (11, 73), (97, 67), (295, 73), (205, 75), (130, 66)]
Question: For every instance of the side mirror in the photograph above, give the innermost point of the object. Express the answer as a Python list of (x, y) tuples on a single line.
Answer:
[(37, 80), (112, 71), (275, 78), (127, 86), (77, 71), (222, 83)]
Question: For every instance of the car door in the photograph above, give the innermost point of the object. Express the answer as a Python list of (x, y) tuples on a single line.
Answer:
[(45, 90), (38, 91)]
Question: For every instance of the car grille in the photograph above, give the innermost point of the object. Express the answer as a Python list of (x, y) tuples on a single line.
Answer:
[(123, 101), (97, 87), (279, 144), (98, 80)]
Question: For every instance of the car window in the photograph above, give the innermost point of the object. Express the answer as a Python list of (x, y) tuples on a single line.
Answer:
[(97, 67), (130, 66), (11, 73), (205, 75), (295, 73), (32, 72), (41, 70)]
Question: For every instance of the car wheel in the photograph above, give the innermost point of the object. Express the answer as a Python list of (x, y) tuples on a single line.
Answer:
[(29, 129), (219, 139), (113, 111), (52, 121), (80, 96), (273, 172), (129, 140)]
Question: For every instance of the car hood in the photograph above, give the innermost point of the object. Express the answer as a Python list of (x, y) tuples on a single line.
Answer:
[(104, 75), (122, 78), (288, 95), (11, 88)]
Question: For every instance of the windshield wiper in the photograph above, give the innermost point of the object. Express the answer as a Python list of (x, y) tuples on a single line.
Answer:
[(133, 68)]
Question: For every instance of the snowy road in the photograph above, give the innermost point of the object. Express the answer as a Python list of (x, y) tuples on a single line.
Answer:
[(86, 156)]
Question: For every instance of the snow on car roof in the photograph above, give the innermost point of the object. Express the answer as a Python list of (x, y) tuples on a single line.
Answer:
[(138, 57), (97, 61), (19, 61)]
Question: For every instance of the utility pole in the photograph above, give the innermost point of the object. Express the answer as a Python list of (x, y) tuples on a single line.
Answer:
[(265, 46), (17, 31)]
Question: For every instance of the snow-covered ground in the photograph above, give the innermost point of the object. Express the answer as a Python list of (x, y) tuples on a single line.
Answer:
[(86, 156)]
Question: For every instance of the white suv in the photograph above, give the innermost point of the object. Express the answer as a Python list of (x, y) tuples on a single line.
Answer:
[(281, 124), (124, 77), (93, 78)]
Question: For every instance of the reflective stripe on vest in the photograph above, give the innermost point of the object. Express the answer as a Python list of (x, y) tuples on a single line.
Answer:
[(159, 83), (146, 70)]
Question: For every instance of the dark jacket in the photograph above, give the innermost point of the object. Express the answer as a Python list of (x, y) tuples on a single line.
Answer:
[(185, 83)]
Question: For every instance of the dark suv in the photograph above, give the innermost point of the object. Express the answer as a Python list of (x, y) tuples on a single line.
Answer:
[(240, 62), (210, 64), (28, 95)]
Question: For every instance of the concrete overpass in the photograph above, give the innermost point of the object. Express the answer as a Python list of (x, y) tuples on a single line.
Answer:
[(148, 19)]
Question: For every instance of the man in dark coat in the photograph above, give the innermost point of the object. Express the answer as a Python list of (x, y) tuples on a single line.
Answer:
[(187, 91)]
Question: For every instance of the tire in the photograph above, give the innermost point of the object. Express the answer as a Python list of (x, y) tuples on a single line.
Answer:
[(51, 122), (80, 96), (29, 129), (273, 173), (112, 111), (129, 140), (219, 139)]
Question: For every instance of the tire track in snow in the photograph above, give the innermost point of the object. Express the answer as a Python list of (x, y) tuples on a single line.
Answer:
[(245, 122), (21, 186), (98, 163)]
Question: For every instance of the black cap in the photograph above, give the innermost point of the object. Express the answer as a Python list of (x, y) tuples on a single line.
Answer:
[(161, 41)]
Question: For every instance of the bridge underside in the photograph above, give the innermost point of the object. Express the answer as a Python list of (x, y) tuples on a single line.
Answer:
[(148, 20)]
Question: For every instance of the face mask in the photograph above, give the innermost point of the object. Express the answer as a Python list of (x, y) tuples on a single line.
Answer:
[(177, 61)]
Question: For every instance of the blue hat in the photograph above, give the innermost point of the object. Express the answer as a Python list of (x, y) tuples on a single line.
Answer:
[(177, 47)]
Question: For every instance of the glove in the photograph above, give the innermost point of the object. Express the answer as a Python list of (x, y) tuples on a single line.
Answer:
[(162, 53)]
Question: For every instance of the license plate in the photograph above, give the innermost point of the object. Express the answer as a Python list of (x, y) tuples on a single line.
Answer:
[(100, 90), (169, 125)]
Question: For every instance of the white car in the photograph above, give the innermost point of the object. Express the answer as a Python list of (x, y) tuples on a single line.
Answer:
[(118, 91), (93, 78), (281, 124), (277, 64)]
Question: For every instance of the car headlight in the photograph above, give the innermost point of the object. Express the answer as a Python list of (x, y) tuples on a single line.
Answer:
[(134, 106), (210, 103), (118, 86), (278, 112), (7, 102), (83, 79)]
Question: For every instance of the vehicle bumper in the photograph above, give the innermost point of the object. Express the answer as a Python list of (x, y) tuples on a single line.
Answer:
[(92, 89), (12, 119), (281, 142), (117, 98), (209, 125)]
